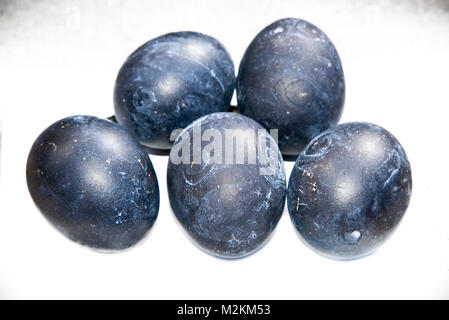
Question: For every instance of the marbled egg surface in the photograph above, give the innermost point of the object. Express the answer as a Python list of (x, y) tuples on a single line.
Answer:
[(349, 189), (171, 81), (291, 79), (93, 181), (228, 208)]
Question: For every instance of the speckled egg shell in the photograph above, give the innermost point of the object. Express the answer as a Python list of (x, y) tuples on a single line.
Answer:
[(291, 79), (349, 189), (93, 181), (171, 81), (229, 210)]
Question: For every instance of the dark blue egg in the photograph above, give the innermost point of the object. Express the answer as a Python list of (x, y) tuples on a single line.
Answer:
[(291, 79), (349, 189), (93, 181), (171, 81), (228, 198)]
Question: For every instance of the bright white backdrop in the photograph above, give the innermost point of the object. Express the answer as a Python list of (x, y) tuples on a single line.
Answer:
[(60, 58)]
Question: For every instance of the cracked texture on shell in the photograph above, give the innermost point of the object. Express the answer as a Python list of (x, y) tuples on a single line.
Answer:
[(227, 209), (349, 189), (291, 79), (171, 81), (93, 181)]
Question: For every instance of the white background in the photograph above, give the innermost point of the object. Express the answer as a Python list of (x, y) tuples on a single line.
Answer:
[(60, 58)]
